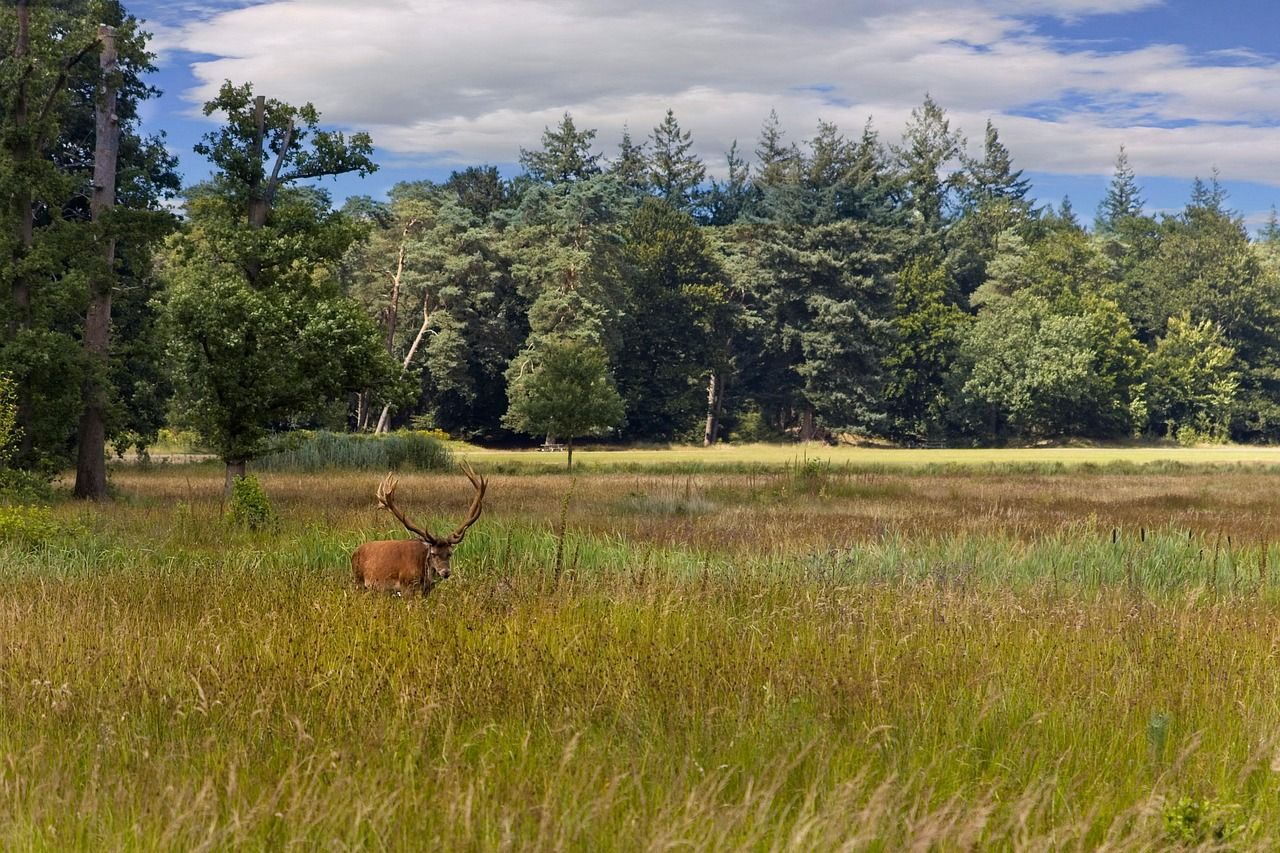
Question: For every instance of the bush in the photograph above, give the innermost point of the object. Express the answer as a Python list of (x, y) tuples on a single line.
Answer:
[(25, 487), (250, 506), (1195, 823), (320, 451), (26, 525)]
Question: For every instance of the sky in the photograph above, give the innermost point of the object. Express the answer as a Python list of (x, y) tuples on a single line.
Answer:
[(1187, 86)]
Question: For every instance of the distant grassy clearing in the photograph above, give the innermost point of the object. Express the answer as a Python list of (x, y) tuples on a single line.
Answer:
[(778, 455)]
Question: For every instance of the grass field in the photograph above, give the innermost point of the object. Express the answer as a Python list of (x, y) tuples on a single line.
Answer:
[(812, 656), (768, 456)]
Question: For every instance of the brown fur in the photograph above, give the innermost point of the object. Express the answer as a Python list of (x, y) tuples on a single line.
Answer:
[(400, 565)]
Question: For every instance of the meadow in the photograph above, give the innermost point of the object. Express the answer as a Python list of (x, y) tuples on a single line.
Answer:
[(807, 652)]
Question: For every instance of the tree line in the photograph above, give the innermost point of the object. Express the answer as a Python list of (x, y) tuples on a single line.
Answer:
[(835, 284)]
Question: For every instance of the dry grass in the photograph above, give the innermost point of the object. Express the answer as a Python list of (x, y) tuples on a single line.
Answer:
[(798, 660)]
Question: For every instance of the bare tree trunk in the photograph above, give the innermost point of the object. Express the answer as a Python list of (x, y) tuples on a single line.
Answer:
[(715, 403), (91, 469), (384, 420), (362, 411)]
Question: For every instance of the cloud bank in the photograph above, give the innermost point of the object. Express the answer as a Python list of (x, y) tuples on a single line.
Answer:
[(469, 81)]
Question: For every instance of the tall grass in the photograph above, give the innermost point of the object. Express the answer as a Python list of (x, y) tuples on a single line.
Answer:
[(169, 682), (310, 452)]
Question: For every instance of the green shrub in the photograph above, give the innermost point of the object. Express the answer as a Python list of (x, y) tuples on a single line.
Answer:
[(1195, 822), (250, 506), (319, 451), (753, 427), (26, 525), (25, 487)]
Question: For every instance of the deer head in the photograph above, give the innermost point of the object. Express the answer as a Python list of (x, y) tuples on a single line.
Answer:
[(439, 549), (399, 564)]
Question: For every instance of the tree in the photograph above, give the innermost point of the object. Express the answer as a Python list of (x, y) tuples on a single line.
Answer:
[(1192, 381), (773, 159), (928, 329), (55, 241), (568, 393), (565, 156), (91, 466), (631, 168), (1123, 199), (260, 332), (727, 201), (565, 242), (1033, 366), (674, 173), (993, 199), (673, 287), (928, 150)]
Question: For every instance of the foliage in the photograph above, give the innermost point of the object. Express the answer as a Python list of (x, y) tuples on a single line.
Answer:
[(674, 288), (250, 507), (675, 174), (322, 451), (928, 329), (260, 335), (27, 526), (1031, 367), (250, 359), (9, 430), (1194, 822), (568, 393), (51, 247), (1192, 381)]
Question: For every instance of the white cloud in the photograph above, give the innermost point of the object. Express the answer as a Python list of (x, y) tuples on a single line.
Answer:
[(464, 81)]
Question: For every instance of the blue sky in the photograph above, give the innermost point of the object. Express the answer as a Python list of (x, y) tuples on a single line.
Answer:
[(1186, 86)]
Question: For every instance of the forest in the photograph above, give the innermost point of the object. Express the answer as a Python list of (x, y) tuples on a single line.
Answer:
[(819, 283)]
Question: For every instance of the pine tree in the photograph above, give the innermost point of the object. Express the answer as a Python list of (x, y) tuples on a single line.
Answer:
[(631, 167), (994, 199), (1210, 197), (565, 156), (726, 201), (929, 147), (1270, 232), (774, 160), (1123, 199), (993, 177), (675, 174)]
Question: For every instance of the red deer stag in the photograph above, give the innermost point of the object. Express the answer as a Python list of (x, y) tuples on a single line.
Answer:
[(403, 565)]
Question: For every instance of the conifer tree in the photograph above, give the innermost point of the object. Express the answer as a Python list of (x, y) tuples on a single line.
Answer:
[(774, 159), (631, 168), (565, 156), (675, 173), (1123, 199), (929, 149)]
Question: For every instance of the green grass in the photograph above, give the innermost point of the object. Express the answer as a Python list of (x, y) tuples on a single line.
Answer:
[(1035, 682)]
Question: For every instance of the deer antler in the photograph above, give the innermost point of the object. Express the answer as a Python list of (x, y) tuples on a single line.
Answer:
[(386, 499), (477, 503)]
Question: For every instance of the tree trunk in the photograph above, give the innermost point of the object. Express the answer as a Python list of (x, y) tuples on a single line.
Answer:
[(384, 419), (235, 469), (91, 467), (808, 427), (569, 446), (715, 403)]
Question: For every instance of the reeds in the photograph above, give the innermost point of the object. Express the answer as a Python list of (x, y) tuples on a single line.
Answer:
[(311, 452)]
